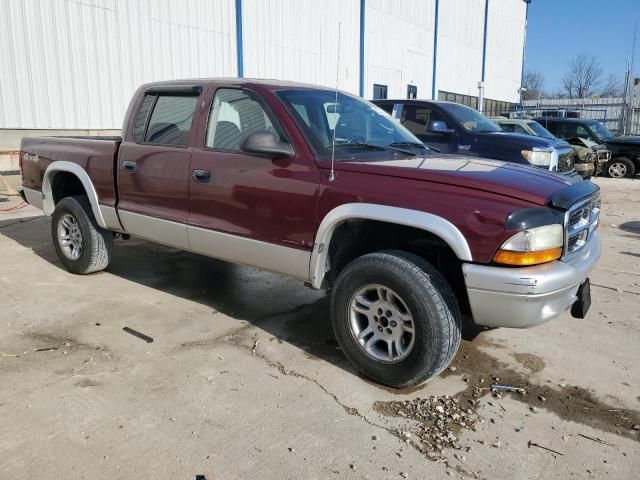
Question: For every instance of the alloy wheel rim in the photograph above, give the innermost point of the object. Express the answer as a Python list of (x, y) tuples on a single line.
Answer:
[(617, 170), (381, 324), (70, 236)]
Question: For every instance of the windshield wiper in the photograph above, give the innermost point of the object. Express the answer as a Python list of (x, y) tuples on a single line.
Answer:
[(415, 144), (374, 146)]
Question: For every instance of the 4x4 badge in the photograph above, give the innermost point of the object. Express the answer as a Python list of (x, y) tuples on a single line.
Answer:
[(464, 147)]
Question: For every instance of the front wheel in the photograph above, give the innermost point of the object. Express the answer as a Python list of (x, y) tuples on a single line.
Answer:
[(620, 167), (82, 246), (395, 317)]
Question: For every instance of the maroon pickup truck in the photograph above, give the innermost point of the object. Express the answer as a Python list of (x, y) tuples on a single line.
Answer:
[(326, 187)]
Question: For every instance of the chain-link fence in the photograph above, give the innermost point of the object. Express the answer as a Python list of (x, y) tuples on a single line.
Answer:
[(613, 113)]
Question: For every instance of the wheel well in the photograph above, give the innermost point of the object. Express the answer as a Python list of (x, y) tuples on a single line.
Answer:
[(66, 184), (354, 238)]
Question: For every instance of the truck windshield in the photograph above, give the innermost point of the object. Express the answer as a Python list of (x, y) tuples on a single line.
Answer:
[(601, 131), (540, 130), (360, 126), (470, 119)]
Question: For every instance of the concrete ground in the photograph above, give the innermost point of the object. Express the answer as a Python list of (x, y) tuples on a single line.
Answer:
[(243, 379)]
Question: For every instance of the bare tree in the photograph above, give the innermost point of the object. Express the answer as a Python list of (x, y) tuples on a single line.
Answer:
[(611, 87), (583, 77), (534, 83)]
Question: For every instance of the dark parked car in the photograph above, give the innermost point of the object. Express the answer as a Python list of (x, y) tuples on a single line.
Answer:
[(454, 128), (591, 157), (625, 151)]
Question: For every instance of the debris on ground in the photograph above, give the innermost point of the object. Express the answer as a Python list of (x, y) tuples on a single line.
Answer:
[(533, 444), (46, 349), (140, 335), (10, 355), (255, 345), (597, 440), (439, 421), (508, 388)]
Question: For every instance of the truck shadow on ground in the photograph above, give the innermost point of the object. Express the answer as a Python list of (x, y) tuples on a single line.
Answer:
[(279, 305)]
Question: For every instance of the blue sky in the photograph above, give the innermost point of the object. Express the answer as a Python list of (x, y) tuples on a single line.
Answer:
[(558, 30)]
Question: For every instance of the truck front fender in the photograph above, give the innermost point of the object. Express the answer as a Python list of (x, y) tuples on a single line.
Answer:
[(48, 203), (368, 211)]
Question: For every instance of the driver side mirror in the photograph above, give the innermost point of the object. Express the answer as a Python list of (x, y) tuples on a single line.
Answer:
[(439, 126), (265, 143)]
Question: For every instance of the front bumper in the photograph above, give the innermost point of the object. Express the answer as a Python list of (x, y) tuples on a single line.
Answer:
[(585, 170), (528, 296)]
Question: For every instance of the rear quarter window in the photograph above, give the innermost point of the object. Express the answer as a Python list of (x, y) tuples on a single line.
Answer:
[(140, 124)]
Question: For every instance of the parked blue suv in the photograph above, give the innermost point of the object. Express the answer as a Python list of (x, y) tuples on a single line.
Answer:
[(455, 128)]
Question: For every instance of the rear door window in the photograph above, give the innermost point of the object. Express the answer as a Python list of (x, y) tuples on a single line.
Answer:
[(555, 128), (171, 119), (416, 118), (164, 119), (569, 131)]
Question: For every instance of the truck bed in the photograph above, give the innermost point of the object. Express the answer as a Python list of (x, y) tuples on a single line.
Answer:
[(96, 155)]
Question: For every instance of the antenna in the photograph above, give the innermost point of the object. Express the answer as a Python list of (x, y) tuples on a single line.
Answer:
[(332, 174)]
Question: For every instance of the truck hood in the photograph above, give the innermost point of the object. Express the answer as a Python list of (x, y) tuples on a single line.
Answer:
[(520, 140), (624, 140), (530, 184)]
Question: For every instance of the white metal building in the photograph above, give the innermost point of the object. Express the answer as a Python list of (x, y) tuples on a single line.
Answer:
[(73, 64)]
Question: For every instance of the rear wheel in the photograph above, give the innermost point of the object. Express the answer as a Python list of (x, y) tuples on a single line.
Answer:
[(395, 317), (620, 167), (81, 245)]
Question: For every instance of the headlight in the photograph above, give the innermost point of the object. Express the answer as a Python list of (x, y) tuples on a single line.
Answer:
[(532, 246), (538, 157)]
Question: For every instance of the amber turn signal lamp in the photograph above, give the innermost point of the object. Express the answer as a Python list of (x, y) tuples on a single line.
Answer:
[(527, 258)]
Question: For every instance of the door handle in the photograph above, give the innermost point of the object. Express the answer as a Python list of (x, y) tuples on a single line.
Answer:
[(129, 166), (201, 176)]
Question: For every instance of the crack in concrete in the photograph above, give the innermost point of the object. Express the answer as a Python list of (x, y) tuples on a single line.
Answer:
[(214, 340), (352, 411), (615, 289)]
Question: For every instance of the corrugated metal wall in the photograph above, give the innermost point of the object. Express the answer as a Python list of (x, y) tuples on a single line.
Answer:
[(399, 46), (505, 39), (75, 64), (298, 40), (460, 37)]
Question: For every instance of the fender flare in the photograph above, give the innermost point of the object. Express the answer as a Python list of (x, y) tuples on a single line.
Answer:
[(48, 204), (368, 211)]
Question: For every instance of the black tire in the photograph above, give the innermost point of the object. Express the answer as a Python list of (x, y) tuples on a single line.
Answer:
[(620, 167), (96, 242), (428, 298)]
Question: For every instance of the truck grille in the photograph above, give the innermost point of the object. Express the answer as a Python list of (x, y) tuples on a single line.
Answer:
[(580, 222), (566, 161)]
